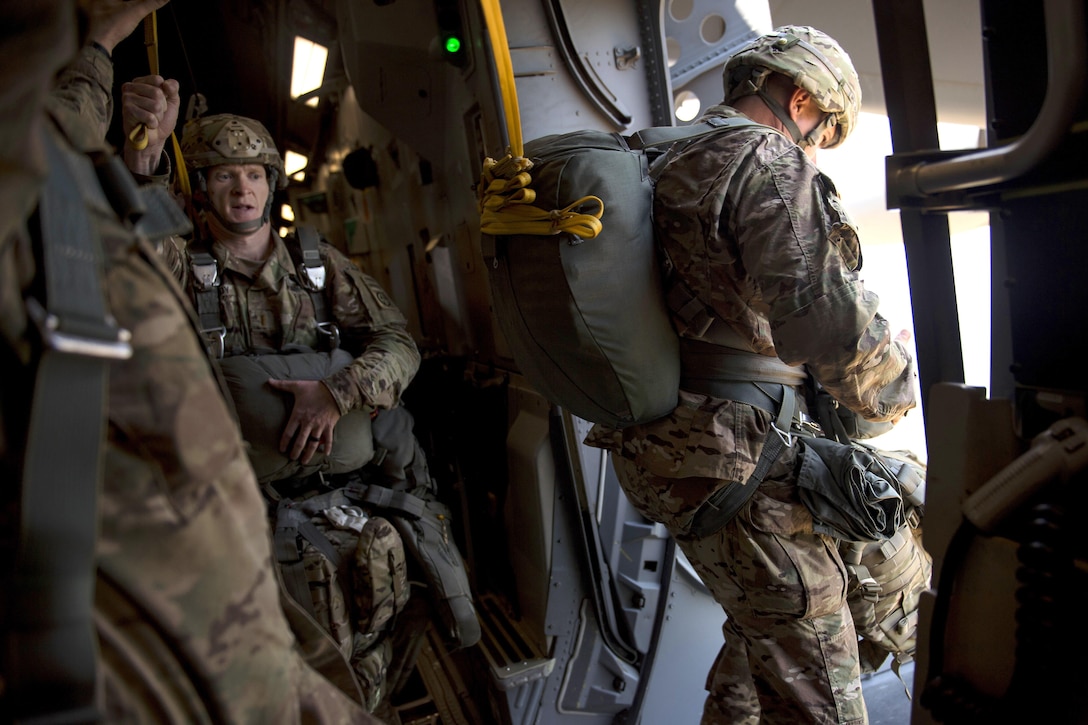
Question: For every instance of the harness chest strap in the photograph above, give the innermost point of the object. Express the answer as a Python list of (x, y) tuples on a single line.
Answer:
[(207, 280)]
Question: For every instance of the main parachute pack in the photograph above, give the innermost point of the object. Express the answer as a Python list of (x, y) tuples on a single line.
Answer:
[(574, 274)]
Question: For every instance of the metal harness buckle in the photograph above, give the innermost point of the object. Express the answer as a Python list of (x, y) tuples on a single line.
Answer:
[(206, 274), (330, 329), (99, 338), (216, 340), (315, 276)]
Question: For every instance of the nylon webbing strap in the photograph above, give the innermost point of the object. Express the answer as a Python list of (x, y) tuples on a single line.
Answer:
[(52, 648), (205, 285), (289, 554), (311, 273), (313, 269), (726, 502), (387, 498), (703, 363)]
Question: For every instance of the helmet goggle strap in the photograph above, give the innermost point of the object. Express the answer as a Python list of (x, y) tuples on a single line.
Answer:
[(814, 136)]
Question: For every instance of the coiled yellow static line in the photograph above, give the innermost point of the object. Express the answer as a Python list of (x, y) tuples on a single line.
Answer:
[(504, 197)]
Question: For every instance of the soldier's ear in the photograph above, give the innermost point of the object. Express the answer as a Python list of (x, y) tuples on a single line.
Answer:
[(799, 104)]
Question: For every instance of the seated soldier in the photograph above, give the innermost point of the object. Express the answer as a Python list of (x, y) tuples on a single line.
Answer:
[(298, 315)]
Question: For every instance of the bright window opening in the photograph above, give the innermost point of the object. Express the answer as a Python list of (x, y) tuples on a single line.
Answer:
[(294, 163), (308, 70), (857, 168)]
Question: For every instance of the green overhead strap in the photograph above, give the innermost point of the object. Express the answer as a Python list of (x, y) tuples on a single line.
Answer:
[(52, 648)]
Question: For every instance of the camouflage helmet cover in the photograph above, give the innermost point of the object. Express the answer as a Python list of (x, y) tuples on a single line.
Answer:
[(812, 59), (228, 139)]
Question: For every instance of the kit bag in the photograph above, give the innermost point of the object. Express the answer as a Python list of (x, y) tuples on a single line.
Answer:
[(424, 524), (585, 318), (890, 570), (347, 570)]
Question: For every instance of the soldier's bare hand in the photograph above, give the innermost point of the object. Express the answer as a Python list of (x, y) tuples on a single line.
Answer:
[(152, 102), (313, 418), (111, 21)]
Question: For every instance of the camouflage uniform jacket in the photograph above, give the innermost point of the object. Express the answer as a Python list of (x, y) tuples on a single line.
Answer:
[(187, 603), (759, 235), (271, 312)]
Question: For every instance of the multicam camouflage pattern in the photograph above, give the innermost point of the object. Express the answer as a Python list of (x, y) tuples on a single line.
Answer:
[(86, 78), (766, 244), (380, 587), (769, 247), (359, 619), (809, 57), (271, 312), (885, 590), (789, 640), (228, 139), (186, 584), (371, 664)]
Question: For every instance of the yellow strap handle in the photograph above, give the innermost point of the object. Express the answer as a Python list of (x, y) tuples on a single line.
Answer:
[(506, 205), (504, 197), (138, 136)]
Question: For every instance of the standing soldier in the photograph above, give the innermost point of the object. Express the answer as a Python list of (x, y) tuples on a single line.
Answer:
[(758, 235), (137, 580)]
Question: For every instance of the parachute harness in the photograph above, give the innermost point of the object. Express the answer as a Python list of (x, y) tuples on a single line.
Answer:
[(504, 199)]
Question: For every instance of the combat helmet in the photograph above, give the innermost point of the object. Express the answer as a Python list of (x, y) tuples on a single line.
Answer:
[(228, 139), (813, 61)]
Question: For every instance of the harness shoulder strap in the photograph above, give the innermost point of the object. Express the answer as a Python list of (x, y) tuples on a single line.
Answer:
[(312, 274), (51, 653), (205, 291), (307, 258)]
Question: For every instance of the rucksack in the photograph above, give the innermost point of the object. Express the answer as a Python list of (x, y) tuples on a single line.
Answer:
[(346, 567), (585, 316)]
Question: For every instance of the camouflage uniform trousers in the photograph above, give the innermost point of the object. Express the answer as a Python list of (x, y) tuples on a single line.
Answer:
[(790, 654)]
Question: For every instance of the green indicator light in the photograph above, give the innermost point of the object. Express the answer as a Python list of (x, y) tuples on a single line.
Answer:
[(453, 44)]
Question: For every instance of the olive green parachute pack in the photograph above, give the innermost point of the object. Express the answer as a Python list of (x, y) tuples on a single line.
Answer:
[(263, 412), (585, 316)]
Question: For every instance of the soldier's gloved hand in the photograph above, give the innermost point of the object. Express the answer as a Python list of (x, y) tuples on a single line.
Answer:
[(313, 418)]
